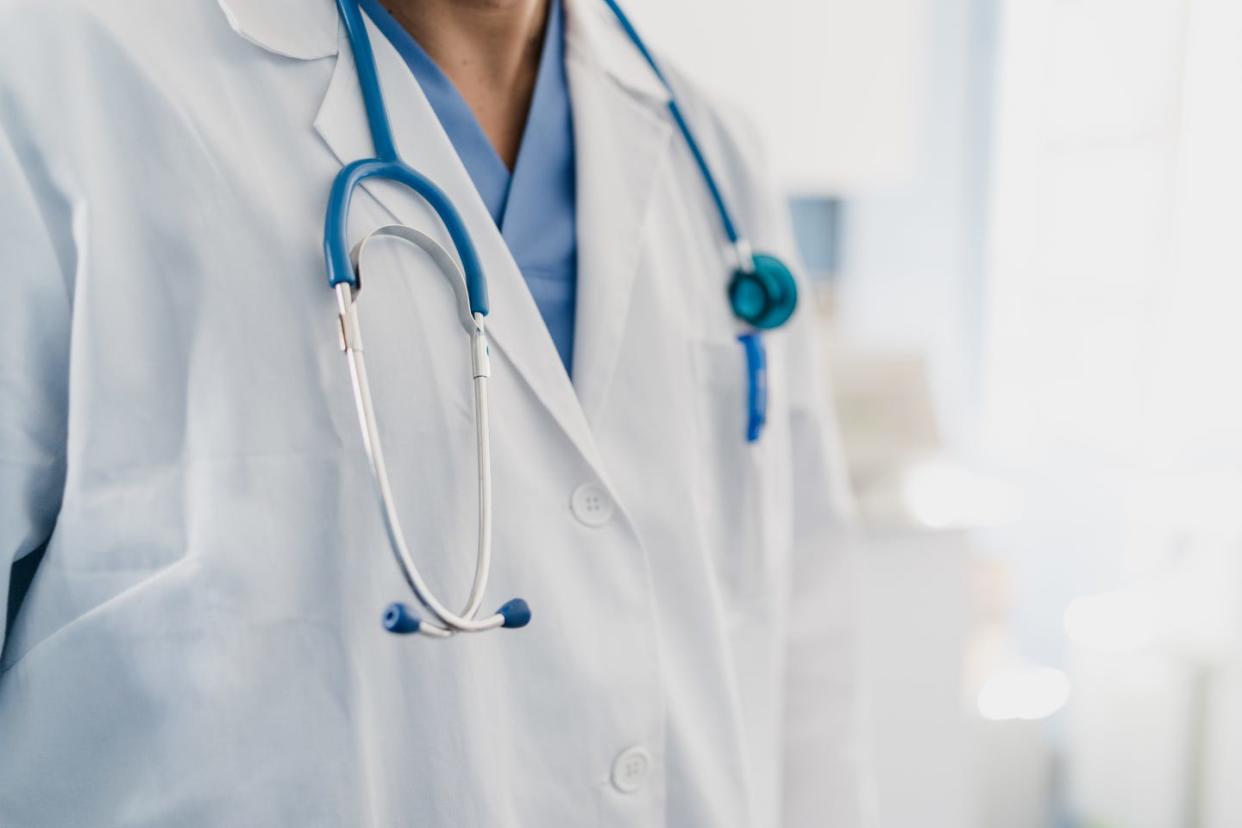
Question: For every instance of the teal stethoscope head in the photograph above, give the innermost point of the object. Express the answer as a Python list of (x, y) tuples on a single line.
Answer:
[(765, 295)]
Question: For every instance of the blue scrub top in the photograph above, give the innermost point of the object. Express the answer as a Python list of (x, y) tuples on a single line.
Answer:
[(535, 205)]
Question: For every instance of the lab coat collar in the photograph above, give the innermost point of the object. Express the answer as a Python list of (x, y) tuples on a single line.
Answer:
[(620, 142), (594, 36), (291, 28), (310, 29)]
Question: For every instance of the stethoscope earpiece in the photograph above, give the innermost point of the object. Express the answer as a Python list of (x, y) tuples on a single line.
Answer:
[(766, 295), (401, 620), (516, 614)]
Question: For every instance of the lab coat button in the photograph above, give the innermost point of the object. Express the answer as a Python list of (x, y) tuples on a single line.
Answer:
[(630, 768), (591, 504)]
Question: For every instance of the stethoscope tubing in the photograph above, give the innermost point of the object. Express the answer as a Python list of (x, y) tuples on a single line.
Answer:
[(448, 621), (470, 285), (683, 126)]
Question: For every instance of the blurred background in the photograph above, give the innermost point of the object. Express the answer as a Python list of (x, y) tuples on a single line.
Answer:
[(1022, 219)]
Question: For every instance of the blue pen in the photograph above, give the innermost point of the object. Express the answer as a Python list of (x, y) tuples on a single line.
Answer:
[(756, 384)]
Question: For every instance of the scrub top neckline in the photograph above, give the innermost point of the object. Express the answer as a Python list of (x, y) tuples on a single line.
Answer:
[(492, 178)]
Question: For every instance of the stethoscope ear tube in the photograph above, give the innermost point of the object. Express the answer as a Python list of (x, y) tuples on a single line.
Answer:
[(443, 260), (398, 618)]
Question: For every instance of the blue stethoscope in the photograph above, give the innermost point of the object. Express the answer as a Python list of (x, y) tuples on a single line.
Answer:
[(762, 293)]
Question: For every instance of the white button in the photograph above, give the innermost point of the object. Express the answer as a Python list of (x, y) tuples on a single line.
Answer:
[(591, 504), (630, 768)]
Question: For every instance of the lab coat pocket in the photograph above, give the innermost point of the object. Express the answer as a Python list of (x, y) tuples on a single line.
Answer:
[(732, 477), (99, 599), (119, 532)]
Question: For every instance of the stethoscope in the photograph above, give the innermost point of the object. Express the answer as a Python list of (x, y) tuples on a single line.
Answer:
[(762, 293)]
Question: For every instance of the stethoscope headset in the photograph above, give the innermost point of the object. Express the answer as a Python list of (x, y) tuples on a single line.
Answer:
[(762, 293)]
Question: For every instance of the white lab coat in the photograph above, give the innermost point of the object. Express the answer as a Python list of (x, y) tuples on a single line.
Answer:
[(202, 643)]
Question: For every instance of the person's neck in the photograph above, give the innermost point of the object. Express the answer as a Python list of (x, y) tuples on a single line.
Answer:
[(490, 50)]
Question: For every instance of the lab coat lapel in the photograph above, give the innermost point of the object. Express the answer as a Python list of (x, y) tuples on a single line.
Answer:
[(621, 134), (514, 323)]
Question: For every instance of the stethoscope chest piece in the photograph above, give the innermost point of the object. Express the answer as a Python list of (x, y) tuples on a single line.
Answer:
[(764, 295)]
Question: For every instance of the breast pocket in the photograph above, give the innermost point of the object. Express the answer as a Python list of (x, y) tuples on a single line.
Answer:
[(734, 481)]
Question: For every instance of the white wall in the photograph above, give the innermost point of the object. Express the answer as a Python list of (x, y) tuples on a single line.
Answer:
[(834, 84), (913, 249), (917, 614)]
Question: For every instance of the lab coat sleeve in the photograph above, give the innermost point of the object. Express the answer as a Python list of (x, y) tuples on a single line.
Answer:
[(34, 353)]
